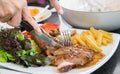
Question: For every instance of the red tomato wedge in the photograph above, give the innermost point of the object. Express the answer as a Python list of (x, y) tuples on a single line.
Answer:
[(50, 26), (28, 34)]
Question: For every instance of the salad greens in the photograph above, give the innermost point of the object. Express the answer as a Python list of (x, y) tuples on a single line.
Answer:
[(17, 48), (4, 57)]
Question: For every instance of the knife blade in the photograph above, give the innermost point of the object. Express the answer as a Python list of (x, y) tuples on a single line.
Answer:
[(40, 35)]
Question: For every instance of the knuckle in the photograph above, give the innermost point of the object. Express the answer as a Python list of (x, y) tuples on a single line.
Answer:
[(2, 14), (9, 12), (18, 8)]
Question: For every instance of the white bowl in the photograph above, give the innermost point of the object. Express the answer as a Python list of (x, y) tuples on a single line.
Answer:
[(85, 19)]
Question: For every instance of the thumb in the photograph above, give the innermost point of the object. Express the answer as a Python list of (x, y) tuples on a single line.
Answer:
[(57, 6)]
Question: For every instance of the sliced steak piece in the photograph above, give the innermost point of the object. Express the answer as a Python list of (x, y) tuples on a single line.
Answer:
[(65, 66), (68, 57)]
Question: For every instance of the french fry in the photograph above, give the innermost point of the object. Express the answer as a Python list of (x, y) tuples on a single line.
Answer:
[(80, 40), (94, 46), (93, 39), (89, 34), (104, 42), (99, 38), (109, 40), (94, 32), (73, 39), (82, 36), (106, 34), (77, 39)]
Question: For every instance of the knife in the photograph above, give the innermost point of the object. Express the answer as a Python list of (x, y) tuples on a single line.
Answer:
[(41, 35)]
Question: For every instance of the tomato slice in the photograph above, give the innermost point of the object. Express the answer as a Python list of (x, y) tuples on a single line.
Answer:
[(28, 34), (50, 26)]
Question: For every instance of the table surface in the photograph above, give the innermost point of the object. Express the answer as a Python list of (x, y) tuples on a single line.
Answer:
[(110, 67)]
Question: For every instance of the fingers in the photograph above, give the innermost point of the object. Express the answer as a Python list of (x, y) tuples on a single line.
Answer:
[(15, 20), (27, 17), (5, 18), (57, 6), (7, 10)]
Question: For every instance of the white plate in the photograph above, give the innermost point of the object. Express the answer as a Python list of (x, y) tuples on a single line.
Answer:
[(5, 71), (107, 50), (47, 13)]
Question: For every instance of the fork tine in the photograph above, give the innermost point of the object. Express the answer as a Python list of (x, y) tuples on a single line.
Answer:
[(69, 38), (62, 36), (68, 34), (66, 40)]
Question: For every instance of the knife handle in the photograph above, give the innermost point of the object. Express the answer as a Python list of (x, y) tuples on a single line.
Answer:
[(26, 25)]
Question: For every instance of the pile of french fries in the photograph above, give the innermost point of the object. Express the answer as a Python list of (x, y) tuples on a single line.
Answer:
[(93, 39)]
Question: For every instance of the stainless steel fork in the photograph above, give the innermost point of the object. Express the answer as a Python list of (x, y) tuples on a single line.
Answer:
[(65, 33)]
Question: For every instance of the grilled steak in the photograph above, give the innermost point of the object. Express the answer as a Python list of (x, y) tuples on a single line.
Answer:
[(67, 58)]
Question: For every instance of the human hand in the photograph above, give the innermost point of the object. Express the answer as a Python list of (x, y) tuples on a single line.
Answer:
[(12, 11), (57, 6)]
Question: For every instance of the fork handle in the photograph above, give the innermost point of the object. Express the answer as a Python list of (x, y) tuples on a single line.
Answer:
[(60, 18)]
